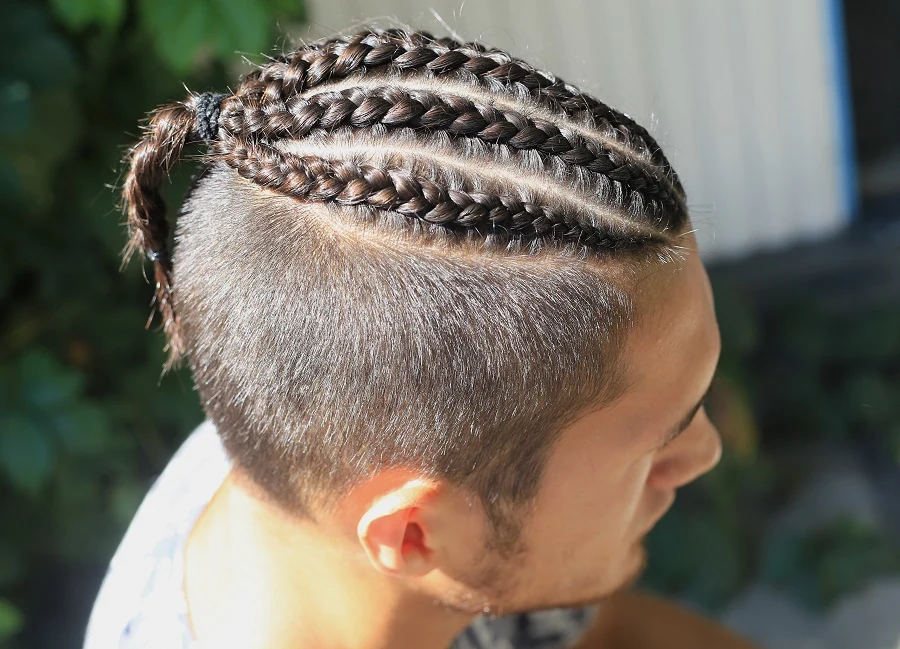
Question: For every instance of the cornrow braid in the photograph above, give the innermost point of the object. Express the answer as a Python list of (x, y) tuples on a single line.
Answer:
[(394, 107), (399, 52), (398, 190)]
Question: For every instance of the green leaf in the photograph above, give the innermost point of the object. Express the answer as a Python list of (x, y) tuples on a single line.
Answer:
[(45, 383), (15, 107), (56, 127), (78, 14), (849, 554), (12, 567), (11, 619), (821, 566), (178, 29), (243, 26), (293, 9), (10, 195), (42, 59), (26, 457), (126, 496), (695, 556), (83, 429)]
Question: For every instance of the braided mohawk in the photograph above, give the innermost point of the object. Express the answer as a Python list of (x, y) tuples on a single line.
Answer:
[(378, 82)]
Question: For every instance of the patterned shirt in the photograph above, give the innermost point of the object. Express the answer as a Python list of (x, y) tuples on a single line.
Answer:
[(142, 604)]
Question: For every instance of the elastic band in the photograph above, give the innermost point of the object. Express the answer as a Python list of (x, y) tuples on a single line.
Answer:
[(207, 107)]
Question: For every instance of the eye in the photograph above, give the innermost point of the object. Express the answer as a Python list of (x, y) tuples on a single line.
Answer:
[(672, 438), (668, 441)]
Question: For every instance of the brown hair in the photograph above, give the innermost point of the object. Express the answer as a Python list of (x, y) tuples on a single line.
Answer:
[(402, 251)]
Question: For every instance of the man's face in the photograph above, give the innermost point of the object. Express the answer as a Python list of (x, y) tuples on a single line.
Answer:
[(611, 477)]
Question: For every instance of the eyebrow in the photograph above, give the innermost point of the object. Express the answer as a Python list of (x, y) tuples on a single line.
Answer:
[(688, 418)]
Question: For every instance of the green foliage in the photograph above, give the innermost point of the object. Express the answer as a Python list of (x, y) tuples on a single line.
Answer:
[(819, 567), (829, 375), (11, 619), (78, 14), (46, 411), (693, 555), (85, 421), (184, 33), (739, 329)]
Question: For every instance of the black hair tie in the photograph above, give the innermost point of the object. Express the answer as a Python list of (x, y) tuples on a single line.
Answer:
[(207, 120)]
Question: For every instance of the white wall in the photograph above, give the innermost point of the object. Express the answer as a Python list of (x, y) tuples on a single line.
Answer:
[(743, 95)]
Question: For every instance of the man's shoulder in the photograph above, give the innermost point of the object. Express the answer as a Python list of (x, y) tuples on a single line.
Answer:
[(143, 578)]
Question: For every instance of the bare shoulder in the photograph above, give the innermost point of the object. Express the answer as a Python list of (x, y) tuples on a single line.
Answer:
[(634, 620)]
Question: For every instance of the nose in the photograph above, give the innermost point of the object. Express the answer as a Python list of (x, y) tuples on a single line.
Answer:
[(695, 452)]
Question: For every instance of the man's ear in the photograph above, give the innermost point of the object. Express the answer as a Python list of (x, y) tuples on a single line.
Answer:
[(393, 532)]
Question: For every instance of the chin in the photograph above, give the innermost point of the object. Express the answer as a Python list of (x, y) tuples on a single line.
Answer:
[(631, 565)]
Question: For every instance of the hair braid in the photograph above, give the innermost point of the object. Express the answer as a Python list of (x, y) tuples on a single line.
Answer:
[(149, 163), (399, 190), (400, 52), (394, 107)]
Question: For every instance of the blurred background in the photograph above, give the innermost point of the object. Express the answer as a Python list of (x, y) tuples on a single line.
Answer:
[(781, 118)]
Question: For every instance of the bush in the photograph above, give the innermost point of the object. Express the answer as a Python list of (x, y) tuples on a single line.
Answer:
[(85, 423)]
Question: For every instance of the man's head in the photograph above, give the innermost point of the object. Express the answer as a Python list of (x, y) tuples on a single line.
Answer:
[(442, 304), (607, 480)]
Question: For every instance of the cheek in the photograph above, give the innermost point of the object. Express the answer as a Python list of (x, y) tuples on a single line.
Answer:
[(625, 498), (595, 502)]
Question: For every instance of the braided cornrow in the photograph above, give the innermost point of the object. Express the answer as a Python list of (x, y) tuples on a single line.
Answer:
[(402, 52), (397, 190), (394, 107)]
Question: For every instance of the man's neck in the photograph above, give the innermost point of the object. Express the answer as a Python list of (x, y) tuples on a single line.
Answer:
[(256, 578)]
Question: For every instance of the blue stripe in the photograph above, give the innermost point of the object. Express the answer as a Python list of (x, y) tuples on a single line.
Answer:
[(843, 102)]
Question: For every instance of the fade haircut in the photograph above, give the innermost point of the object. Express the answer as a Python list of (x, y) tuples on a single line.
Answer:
[(403, 252)]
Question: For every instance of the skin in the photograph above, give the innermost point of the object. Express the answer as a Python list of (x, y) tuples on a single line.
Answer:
[(402, 563)]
